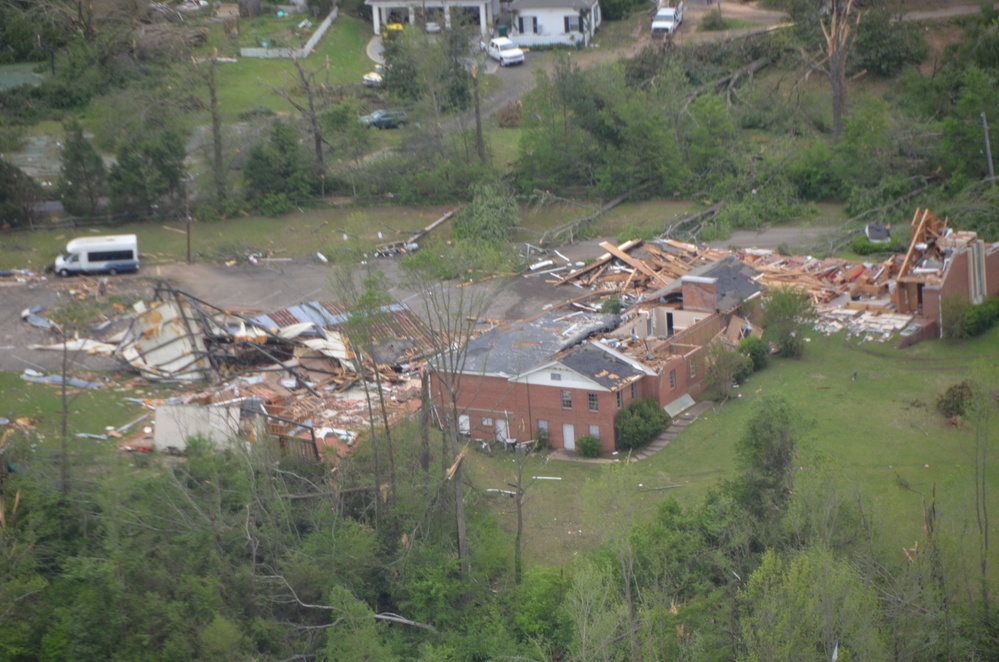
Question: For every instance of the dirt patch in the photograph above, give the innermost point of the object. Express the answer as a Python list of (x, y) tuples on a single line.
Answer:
[(938, 37)]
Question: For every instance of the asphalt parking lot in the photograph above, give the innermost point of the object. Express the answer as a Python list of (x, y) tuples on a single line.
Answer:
[(270, 286), (266, 286)]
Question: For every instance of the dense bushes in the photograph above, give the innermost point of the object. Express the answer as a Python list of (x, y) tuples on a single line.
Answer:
[(638, 423), (861, 245), (955, 400), (962, 320), (757, 351), (588, 446)]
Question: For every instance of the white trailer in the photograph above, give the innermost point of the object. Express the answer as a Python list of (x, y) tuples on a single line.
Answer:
[(110, 254)]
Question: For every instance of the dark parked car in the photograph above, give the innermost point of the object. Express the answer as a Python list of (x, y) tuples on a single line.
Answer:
[(385, 119)]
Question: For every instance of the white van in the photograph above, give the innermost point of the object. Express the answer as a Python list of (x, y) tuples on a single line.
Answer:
[(110, 254)]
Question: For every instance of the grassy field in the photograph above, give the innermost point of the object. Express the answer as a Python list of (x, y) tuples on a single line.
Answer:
[(299, 234), (864, 433), (247, 84), (302, 233), (91, 411)]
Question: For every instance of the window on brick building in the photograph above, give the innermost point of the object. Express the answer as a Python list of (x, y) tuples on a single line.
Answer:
[(591, 401), (634, 390), (555, 377), (595, 431), (620, 399), (672, 379), (487, 421), (566, 399), (693, 370)]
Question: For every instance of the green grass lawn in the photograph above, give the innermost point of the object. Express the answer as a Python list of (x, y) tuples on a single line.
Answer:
[(865, 433), (247, 84), (91, 411)]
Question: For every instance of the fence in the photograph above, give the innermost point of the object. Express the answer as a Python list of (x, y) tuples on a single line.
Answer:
[(530, 40), (289, 53)]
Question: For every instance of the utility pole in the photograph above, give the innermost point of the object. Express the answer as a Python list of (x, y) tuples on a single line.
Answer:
[(187, 214), (988, 151), (479, 144)]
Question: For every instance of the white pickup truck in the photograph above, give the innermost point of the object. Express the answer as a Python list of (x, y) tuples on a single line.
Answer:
[(667, 20), (504, 51)]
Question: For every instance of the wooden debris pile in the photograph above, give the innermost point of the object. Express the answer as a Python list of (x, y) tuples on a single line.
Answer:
[(825, 280), (636, 266)]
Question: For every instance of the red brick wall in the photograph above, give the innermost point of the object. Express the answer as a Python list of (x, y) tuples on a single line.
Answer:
[(955, 283), (522, 405), (700, 296), (992, 272)]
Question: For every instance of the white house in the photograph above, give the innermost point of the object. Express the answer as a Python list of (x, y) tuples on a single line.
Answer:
[(545, 22), (441, 12), (529, 22)]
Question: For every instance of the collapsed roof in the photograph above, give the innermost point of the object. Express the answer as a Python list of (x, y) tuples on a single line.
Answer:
[(509, 349), (182, 338)]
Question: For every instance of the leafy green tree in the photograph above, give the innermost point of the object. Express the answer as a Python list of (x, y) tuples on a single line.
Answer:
[(554, 150), (18, 195), (401, 77), (766, 453), (711, 140), (727, 368), (354, 637), (638, 423), (787, 312), (812, 606), (347, 136), (616, 10), (147, 171), (885, 43), (278, 173), (596, 613), (491, 216), (757, 350), (961, 143), (536, 605), (82, 177)]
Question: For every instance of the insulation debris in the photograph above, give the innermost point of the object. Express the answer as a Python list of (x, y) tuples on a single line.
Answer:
[(36, 377)]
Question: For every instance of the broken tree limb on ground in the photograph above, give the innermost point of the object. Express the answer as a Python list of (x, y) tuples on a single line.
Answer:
[(566, 234), (727, 81), (395, 246), (710, 212)]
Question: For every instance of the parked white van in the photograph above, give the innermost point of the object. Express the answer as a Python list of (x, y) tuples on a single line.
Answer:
[(109, 254)]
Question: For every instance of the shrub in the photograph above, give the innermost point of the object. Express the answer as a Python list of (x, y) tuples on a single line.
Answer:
[(611, 306), (757, 351), (977, 320), (509, 115), (712, 21), (588, 446), (541, 439), (861, 245), (952, 317), (955, 400), (638, 423)]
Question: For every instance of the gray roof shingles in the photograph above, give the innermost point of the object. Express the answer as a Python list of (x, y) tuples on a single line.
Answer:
[(600, 366), (735, 281), (514, 348)]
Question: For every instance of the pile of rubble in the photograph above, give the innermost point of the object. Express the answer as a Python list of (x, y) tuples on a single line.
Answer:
[(291, 373), (871, 299), (637, 266)]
